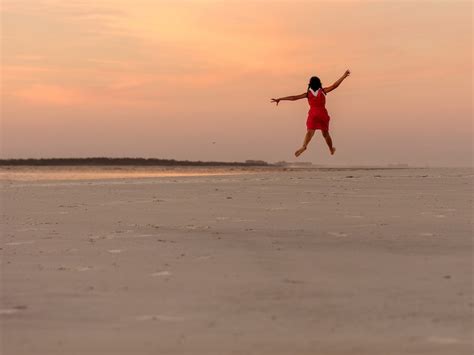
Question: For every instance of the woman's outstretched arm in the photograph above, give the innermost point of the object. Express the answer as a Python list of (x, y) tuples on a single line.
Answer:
[(337, 83), (290, 98)]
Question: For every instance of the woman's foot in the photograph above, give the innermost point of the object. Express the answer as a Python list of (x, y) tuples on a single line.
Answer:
[(332, 150), (299, 151)]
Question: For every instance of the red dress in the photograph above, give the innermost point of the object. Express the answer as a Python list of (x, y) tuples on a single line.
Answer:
[(318, 117)]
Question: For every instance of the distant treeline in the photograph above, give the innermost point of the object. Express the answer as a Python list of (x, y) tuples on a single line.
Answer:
[(124, 161)]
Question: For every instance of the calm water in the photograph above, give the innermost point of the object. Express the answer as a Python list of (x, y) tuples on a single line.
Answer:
[(76, 173), (47, 173)]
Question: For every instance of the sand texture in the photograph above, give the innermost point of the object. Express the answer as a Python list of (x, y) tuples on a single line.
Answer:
[(325, 262)]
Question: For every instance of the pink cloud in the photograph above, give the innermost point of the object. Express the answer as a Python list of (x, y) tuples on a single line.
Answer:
[(50, 95)]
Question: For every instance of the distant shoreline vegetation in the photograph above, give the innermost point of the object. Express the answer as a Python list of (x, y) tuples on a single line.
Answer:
[(124, 161)]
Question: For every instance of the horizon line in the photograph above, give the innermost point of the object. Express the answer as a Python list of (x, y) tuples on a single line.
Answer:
[(137, 161)]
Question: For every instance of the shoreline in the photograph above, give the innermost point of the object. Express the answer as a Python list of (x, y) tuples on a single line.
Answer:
[(124, 161), (32, 174)]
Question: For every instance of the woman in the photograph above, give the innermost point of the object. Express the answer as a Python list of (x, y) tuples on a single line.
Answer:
[(318, 117)]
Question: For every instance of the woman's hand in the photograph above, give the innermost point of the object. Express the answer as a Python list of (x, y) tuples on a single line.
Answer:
[(347, 73), (276, 100)]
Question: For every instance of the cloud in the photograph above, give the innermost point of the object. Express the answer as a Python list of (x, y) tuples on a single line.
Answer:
[(29, 58), (50, 95)]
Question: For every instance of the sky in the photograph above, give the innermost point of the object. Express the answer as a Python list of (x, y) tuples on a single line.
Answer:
[(193, 79)]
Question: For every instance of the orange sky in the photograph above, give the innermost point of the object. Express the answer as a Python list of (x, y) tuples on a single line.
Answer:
[(193, 79)]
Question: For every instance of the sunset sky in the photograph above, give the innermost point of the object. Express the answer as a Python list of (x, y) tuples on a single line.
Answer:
[(193, 79)]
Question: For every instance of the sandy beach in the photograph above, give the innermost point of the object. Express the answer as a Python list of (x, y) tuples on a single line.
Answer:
[(322, 261)]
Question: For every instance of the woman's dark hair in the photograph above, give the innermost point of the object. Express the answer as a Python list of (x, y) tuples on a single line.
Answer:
[(314, 83)]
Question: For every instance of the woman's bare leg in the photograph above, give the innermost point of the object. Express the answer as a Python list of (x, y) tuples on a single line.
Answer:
[(307, 139), (328, 139)]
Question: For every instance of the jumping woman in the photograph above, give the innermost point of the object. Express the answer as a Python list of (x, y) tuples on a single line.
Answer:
[(318, 117)]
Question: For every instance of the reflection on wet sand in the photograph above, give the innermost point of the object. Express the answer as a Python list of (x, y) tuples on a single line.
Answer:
[(101, 173)]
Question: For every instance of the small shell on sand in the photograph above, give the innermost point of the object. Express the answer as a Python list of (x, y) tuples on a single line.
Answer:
[(161, 273), (443, 340), (20, 243), (338, 234), (203, 257), (4, 312), (160, 317)]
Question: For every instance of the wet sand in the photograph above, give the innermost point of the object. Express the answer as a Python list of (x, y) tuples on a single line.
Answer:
[(329, 261)]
